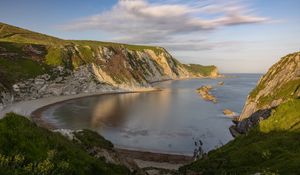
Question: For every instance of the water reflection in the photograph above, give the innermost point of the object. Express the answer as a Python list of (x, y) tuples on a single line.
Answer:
[(162, 121)]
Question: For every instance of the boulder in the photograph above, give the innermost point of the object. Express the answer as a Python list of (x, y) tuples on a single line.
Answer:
[(39, 81), (229, 113), (16, 88)]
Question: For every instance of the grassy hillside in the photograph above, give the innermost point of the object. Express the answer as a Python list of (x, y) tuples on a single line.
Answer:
[(273, 147), (285, 82), (11, 33), (199, 69), (28, 149)]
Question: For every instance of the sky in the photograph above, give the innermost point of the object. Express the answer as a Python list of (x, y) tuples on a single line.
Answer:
[(238, 36)]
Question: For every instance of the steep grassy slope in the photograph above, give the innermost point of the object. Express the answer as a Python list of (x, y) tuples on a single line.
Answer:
[(28, 149), (280, 83), (272, 147)]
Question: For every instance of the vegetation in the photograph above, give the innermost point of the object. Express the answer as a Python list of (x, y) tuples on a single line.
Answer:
[(15, 34), (199, 69), (285, 90), (29, 149), (90, 139), (273, 147), (14, 70), (19, 35), (156, 50), (54, 56)]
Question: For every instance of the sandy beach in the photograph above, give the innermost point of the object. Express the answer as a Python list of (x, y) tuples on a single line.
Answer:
[(27, 107)]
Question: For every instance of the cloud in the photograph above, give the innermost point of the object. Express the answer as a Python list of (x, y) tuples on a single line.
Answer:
[(142, 22)]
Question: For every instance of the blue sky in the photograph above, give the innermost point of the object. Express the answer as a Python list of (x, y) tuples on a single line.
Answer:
[(237, 36)]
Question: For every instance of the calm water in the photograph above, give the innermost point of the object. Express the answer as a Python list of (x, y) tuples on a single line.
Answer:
[(164, 121)]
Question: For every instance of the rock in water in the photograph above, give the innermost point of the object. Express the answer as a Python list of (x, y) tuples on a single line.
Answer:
[(204, 92), (221, 83), (229, 113)]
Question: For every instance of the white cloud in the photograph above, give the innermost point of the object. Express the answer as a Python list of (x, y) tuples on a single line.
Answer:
[(142, 22)]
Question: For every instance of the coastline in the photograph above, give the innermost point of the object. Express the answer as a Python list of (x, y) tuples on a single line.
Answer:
[(143, 158), (26, 108)]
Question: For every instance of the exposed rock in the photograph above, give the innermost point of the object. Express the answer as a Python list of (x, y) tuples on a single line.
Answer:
[(245, 125), (16, 88), (229, 113), (268, 93), (81, 80), (204, 92), (221, 83), (39, 81), (279, 84)]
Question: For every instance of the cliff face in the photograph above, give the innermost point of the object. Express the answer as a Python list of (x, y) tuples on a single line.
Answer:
[(278, 85), (34, 65)]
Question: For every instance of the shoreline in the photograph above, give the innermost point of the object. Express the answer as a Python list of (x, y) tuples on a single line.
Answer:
[(26, 108), (140, 156), (36, 115), (144, 158)]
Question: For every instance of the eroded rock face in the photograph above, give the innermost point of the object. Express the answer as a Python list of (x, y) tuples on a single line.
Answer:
[(64, 82), (279, 84)]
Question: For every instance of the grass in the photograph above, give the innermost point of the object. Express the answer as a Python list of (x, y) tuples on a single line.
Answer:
[(284, 91), (89, 139), (273, 147), (54, 56), (157, 50), (15, 34), (14, 70), (199, 69), (11, 33), (28, 149)]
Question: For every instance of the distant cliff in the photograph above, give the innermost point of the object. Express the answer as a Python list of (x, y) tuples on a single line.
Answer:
[(280, 84), (34, 65)]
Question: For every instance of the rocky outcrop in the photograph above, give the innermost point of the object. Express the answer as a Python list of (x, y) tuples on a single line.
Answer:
[(278, 85), (204, 92), (65, 82)]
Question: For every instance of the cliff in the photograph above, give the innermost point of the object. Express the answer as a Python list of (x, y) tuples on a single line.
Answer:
[(271, 123), (34, 65), (280, 84)]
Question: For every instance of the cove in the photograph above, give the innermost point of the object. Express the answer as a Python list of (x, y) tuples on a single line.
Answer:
[(166, 121)]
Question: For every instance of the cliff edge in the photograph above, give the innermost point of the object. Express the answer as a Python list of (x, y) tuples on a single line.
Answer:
[(280, 84)]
